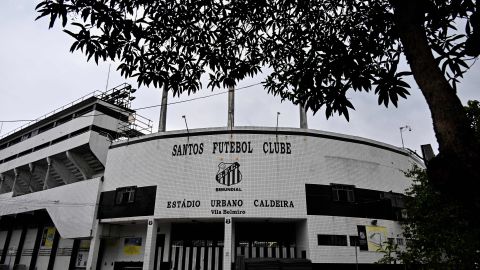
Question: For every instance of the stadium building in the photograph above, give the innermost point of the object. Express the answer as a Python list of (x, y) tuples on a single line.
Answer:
[(88, 186)]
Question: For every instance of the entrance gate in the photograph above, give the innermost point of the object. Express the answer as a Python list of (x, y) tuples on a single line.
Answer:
[(197, 246), (265, 240), (196, 255)]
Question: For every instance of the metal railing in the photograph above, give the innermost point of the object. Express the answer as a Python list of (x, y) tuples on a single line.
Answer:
[(136, 126), (119, 95), (89, 95)]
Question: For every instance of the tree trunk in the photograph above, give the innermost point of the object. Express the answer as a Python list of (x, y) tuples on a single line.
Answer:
[(458, 159)]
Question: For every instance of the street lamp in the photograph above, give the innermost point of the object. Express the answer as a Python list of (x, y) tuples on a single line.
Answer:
[(401, 132)]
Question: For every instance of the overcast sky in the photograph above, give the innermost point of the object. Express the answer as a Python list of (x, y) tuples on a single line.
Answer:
[(38, 74)]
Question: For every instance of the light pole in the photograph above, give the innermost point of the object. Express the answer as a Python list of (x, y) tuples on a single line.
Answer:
[(188, 132), (276, 128), (356, 255), (401, 132)]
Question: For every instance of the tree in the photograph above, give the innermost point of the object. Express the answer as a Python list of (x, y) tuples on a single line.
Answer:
[(318, 52), (435, 242), (473, 114), (439, 231)]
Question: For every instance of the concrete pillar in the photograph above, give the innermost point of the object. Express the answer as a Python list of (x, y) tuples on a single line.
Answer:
[(302, 238), (94, 246), (46, 184), (227, 244), (162, 123), (167, 229), (2, 180), (234, 251), (303, 117), (427, 153), (231, 107), (150, 244)]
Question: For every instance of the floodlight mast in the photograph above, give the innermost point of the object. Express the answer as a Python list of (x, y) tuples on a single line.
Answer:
[(231, 107), (162, 123), (303, 117)]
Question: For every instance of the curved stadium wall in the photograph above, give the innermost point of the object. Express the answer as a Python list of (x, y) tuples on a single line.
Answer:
[(251, 193)]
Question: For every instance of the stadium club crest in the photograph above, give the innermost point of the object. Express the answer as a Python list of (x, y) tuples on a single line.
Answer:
[(228, 174)]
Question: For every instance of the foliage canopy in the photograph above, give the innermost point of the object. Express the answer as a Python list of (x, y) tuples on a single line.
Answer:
[(317, 51), (439, 234), (440, 230), (473, 114)]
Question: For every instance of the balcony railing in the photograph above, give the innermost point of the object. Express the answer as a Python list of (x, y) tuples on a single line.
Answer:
[(119, 95)]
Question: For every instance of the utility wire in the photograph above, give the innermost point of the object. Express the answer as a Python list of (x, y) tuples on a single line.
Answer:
[(197, 98), (149, 107)]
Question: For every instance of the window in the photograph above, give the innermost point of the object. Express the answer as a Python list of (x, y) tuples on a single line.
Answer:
[(83, 111), (125, 195), (25, 137), (332, 240), (46, 127), (343, 193), (63, 120)]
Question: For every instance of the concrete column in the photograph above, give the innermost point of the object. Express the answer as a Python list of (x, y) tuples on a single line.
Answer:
[(94, 246), (150, 244), (233, 251), (231, 107), (302, 238), (167, 229), (1, 183), (227, 244), (303, 117), (46, 184), (427, 153), (162, 123)]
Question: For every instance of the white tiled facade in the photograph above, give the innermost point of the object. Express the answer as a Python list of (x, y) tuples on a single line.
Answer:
[(186, 186), (240, 176)]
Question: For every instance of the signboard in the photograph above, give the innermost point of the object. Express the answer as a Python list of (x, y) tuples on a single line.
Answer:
[(132, 246), (81, 260), (362, 237), (243, 175), (376, 238), (229, 174), (47, 237), (372, 238), (82, 255)]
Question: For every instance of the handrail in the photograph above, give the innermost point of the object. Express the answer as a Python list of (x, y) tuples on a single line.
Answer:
[(89, 95), (96, 93)]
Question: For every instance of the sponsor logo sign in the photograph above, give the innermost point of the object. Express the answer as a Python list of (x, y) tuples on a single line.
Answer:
[(372, 238)]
